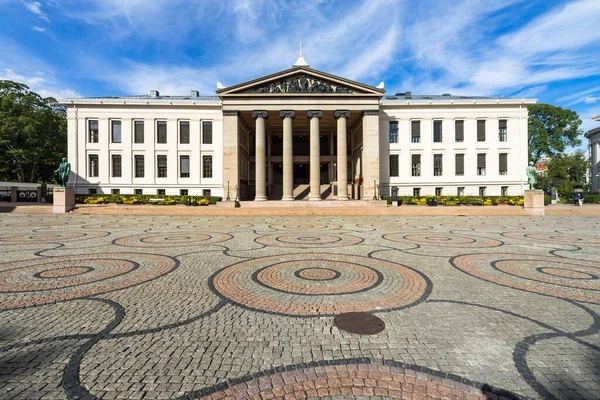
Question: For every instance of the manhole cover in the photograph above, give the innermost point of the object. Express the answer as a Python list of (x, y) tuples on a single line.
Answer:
[(360, 323)]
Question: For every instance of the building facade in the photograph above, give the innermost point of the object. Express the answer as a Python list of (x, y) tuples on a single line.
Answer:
[(593, 136), (311, 131)]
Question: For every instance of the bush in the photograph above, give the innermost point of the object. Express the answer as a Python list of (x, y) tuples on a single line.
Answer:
[(452, 201), (143, 199)]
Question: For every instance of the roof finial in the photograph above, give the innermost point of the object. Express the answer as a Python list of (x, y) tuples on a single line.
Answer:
[(300, 62)]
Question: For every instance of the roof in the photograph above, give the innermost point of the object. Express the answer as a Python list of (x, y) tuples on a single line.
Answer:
[(592, 132), (409, 98), (144, 99)]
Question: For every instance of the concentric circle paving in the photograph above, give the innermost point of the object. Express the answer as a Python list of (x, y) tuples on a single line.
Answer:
[(172, 239), (444, 240), (52, 279), (306, 227), (278, 284), (552, 276), (216, 226), (309, 240), (51, 237), (555, 237)]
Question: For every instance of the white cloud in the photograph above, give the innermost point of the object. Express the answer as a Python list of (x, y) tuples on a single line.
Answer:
[(35, 8), (38, 28), (530, 92), (591, 100), (38, 84)]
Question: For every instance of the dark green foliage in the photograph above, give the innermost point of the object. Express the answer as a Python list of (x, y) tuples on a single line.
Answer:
[(565, 172), (551, 130)]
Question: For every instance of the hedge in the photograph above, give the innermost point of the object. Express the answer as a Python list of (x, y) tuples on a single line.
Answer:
[(144, 199), (460, 200)]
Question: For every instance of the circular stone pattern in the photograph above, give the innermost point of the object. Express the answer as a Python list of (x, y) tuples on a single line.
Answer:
[(309, 241), (444, 240), (216, 226), (51, 237), (307, 227), (340, 381), (172, 239), (53, 279), (554, 237), (552, 276), (278, 284)]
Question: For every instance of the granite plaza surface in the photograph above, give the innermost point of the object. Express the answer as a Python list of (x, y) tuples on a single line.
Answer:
[(123, 306)]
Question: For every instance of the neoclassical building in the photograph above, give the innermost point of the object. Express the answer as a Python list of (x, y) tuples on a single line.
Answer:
[(593, 136), (299, 134)]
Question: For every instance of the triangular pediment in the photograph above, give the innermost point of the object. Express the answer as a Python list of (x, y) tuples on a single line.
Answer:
[(300, 81)]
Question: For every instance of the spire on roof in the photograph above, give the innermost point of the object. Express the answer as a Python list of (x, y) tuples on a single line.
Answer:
[(300, 62)]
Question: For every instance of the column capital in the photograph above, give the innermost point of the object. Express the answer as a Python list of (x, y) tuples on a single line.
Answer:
[(287, 113), (260, 114), (314, 113), (341, 113), (231, 113), (370, 112)]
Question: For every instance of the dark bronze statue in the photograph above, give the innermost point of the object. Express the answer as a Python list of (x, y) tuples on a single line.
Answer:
[(63, 172)]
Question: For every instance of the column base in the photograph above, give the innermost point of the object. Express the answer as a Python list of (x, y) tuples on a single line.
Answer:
[(287, 198), (343, 198), (315, 198), (260, 198)]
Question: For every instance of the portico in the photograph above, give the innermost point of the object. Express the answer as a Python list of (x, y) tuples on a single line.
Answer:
[(314, 133)]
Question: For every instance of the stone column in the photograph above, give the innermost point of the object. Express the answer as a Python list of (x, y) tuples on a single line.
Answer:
[(231, 153), (261, 156), (370, 154), (315, 155), (288, 155), (342, 155)]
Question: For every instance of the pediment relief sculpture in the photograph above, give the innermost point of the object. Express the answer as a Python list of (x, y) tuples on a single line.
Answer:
[(301, 84)]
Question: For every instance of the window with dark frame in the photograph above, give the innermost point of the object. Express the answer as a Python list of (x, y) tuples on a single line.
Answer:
[(138, 131), (183, 192), (207, 171), (92, 191), (93, 131), (206, 193), (393, 130), (116, 166), (138, 192), (415, 131), (184, 132), (482, 191), (503, 163), (437, 165), (161, 192), (502, 132), (416, 192), (161, 163), (184, 166), (504, 191), (437, 131), (93, 158), (416, 164), (459, 164), (161, 132), (460, 191), (115, 191), (481, 130), (139, 166), (207, 132), (459, 131), (481, 164), (438, 191), (115, 131), (394, 167)]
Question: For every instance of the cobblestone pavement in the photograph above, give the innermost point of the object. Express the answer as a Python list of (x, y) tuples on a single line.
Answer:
[(110, 306)]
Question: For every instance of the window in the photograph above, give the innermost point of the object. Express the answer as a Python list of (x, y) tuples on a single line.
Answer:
[(480, 164), (206, 193), (183, 192), (459, 131), (160, 192), (460, 191), (116, 166), (437, 165), (481, 130), (416, 165), (139, 166), (93, 131), (503, 163), (504, 191), (184, 166), (207, 167), (502, 136), (184, 132), (438, 191), (115, 129), (459, 164), (482, 190), (207, 132), (437, 131), (93, 170), (161, 132), (161, 162), (138, 192), (115, 191), (93, 191), (394, 168), (415, 131), (417, 192), (393, 128), (138, 131)]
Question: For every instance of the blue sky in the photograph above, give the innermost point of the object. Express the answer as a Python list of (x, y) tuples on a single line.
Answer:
[(544, 49)]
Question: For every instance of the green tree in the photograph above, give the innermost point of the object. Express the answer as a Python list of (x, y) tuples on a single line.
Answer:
[(551, 130), (566, 172), (33, 134)]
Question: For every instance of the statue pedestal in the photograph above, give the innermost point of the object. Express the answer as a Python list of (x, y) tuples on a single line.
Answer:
[(534, 202), (64, 200)]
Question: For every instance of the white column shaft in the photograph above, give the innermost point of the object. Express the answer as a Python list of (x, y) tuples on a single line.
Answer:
[(261, 160), (342, 159), (315, 160), (288, 160)]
